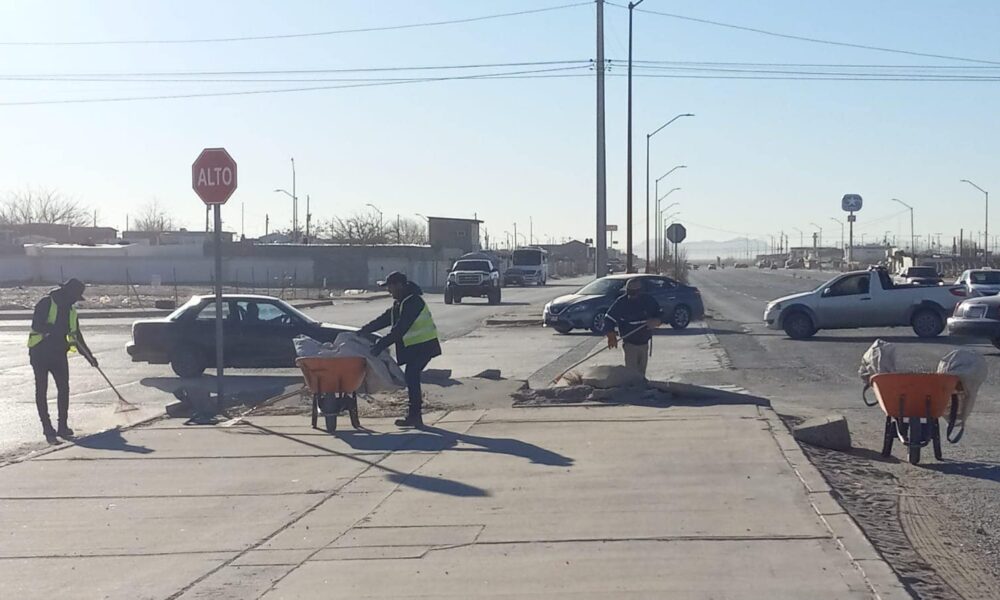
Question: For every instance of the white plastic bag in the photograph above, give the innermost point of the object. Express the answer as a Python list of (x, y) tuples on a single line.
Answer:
[(880, 357), (382, 374), (971, 368)]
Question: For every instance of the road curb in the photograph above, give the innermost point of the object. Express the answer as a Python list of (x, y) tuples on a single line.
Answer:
[(878, 574), (91, 314)]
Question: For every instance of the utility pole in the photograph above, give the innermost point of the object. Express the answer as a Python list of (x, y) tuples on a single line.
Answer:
[(986, 223), (295, 208), (628, 166), (531, 231), (243, 220), (601, 239), (308, 219), (267, 224), (515, 235), (913, 239)]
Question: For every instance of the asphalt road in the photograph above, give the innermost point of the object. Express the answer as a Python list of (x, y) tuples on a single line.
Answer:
[(150, 387), (819, 376)]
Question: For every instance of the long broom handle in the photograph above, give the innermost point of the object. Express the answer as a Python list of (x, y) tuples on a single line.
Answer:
[(593, 354)]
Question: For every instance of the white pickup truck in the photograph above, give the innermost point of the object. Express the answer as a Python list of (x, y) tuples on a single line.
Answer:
[(864, 299)]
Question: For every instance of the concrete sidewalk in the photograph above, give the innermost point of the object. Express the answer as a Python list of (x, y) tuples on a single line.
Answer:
[(708, 501)]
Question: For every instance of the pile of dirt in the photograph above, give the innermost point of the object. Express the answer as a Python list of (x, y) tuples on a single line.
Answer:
[(583, 394)]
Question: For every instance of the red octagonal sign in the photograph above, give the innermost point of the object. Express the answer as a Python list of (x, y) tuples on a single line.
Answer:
[(213, 176)]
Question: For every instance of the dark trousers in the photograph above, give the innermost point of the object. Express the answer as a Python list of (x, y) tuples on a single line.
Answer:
[(58, 365), (412, 376)]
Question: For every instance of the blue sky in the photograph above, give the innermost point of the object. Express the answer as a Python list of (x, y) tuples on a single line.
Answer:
[(763, 156)]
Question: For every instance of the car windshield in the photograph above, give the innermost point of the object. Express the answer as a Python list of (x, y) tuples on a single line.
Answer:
[(183, 308), (602, 287), (921, 272), (472, 265), (985, 277), (527, 258)]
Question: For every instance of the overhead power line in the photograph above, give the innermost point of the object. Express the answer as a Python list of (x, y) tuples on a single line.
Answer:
[(522, 74), (813, 40), (288, 36)]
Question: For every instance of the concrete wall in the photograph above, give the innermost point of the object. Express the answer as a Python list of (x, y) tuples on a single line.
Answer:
[(254, 266)]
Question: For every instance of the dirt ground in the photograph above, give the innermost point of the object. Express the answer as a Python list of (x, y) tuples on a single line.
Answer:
[(24, 297)]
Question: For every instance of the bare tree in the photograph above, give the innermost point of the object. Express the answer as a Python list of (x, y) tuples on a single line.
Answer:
[(412, 231), (42, 206), (154, 218), (362, 228)]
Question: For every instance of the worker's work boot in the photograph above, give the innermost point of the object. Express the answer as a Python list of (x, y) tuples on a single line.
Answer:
[(411, 420), (50, 436), (64, 431)]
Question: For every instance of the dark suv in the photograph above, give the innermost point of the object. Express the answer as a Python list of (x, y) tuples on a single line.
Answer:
[(477, 277)]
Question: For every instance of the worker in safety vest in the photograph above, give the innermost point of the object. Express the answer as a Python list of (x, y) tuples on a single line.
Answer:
[(55, 331), (414, 334), (635, 314)]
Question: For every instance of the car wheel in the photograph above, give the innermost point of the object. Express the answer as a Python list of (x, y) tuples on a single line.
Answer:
[(447, 296), (561, 328), (799, 326), (597, 324), (190, 361), (681, 317), (456, 298), (927, 323), (996, 342)]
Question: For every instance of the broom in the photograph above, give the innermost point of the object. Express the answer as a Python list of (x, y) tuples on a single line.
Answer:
[(123, 404)]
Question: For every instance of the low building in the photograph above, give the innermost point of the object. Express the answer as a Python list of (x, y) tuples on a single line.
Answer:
[(571, 258), (62, 234), (446, 232), (181, 237)]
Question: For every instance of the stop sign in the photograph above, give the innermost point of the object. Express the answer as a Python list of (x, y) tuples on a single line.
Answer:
[(676, 233), (213, 176)]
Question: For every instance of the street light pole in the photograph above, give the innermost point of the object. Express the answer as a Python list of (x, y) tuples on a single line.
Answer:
[(820, 241), (801, 240), (648, 137), (628, 166), (841, 223), (913, 243), (656, 215), (660, 221), (601, 239), (295, 208), (380, 226), (986, 224)]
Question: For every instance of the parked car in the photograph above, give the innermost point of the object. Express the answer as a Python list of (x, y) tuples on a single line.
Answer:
[(977, 317), (257, 333), (712, 267), (741, 266), (477, 277), (864, 299), (980, 282), (919, 276), (585, 309)]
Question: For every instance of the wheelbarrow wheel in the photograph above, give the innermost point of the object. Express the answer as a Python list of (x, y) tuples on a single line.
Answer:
[(914, 454), (330, 406), (331, 423)]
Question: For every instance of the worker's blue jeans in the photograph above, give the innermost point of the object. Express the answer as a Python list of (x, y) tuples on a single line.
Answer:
[(412, 375)]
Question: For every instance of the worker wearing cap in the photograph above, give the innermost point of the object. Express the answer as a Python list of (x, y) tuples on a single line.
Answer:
[(635, 315), (415, 335), (55, 331)]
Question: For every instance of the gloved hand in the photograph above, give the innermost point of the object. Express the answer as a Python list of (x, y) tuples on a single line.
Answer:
[(379, 347), (612, 339), (653, 323), (91, 359)]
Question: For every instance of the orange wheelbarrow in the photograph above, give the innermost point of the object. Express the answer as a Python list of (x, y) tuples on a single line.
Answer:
[(913, 403), (334, 383)]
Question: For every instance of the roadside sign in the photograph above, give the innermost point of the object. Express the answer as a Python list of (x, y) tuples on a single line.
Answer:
[(852, 218), (851, 203), (612, 228), (676, 233), (213, 176)]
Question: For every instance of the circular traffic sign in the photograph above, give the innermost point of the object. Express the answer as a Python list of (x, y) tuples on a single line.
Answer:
[(213, 176)]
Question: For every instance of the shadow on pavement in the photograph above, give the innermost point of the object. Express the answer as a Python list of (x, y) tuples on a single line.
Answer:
[(436, 439), (976, 470), (911, 339), (111, 440), (247, 390), (422, 482)]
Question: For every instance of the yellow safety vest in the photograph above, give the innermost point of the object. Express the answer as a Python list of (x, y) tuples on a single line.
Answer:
[(422, 330), (35, 338)]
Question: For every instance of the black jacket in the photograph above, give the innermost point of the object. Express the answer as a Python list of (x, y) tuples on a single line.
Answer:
[(403, 321), (630, 314), (54, 343)]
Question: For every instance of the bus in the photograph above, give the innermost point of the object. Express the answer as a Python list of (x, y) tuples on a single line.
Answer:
[(530, 265)]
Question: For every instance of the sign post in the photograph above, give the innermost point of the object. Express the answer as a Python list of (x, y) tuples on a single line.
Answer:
[(213, 177), (851, 203), (676, 234)]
